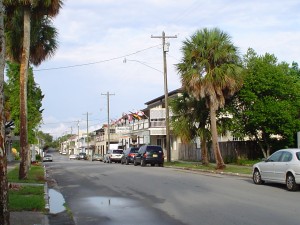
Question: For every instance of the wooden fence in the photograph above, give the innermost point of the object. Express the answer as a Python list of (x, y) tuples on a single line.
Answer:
[(230, 150)]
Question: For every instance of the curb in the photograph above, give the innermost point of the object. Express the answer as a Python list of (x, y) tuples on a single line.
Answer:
[(211, 171)]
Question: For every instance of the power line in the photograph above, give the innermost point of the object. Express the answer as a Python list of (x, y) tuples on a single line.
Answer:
[(97, 62)]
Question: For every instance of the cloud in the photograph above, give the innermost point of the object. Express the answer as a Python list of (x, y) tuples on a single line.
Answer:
[(102, 33)]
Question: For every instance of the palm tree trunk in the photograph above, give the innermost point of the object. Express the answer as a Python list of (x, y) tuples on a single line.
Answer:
[(4, 212), (213, 120), (204, 157), (24, 164)]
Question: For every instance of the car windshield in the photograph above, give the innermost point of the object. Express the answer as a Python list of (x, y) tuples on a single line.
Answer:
[(82, 153), (48, 155), (117, 151), (155, 149), (134, 150)]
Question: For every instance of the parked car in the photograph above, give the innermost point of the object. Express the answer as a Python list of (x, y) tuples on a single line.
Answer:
[(48, 158), (73, 156), (97, 157), (149, 154), (114, 155), (283, 166), (129, 155), (82, 155)]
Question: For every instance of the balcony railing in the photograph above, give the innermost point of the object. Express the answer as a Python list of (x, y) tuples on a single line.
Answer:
[(158, 123)]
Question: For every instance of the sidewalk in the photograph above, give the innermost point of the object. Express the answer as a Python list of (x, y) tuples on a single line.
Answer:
[(37, 218)]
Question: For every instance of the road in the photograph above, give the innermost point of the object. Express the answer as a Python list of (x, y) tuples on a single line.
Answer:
[(115, 194)]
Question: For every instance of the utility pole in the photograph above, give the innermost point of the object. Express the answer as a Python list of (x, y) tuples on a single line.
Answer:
[(87, 132), (165, 50), (108, 126), (78, 135)]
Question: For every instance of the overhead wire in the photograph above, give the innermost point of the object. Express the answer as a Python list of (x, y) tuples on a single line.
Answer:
[(97, 62)]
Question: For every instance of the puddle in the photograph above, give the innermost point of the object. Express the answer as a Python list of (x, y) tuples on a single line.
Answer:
[(119, 210), (56, 201)]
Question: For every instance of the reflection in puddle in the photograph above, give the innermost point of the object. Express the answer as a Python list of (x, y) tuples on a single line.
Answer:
[(56, 201), (120, 210), (104, 202)]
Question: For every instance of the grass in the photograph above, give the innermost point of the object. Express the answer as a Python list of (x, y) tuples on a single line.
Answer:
[(230, 168), (28, 194), (35, 175), (26, 198)]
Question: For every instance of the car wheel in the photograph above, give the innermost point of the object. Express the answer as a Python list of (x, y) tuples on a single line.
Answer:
[(257, 177), (143, 162), (126, 162), (291, 183), (152, 164), (134, 163)]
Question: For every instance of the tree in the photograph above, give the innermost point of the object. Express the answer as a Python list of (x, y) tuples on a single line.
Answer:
[(4, 213), (47, 139), (267, 107), (35, 98), (35, 10), (190, 119), (210, 70)]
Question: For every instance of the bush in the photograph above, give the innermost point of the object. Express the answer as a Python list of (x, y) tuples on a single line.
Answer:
[(38, 157)]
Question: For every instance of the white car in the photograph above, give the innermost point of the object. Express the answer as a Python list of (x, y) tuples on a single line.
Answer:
[(73, 156), (283, 166), (114, 155), (47, 158)]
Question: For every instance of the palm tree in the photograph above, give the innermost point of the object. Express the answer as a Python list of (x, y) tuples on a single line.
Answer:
[(4, 212), (33, 10), (210, 70), (190, 120)]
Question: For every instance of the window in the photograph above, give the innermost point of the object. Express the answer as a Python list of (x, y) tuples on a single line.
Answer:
[(275, 157), (298, 155), (159, 142), (286, 157)]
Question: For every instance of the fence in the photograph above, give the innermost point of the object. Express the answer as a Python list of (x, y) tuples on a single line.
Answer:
[(230, 151)]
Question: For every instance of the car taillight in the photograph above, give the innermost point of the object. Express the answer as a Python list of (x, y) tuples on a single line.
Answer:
[(130, 155)]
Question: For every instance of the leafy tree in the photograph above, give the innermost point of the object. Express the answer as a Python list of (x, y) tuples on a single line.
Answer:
[(210, 70), (35, 98), (47, 139), (34, 10), (267, 107), (190, 120)]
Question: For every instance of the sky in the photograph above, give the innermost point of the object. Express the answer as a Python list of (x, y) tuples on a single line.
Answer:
[(105, 46)]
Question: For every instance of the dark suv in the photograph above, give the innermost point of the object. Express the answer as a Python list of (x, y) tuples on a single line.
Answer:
[(129, 155), (149, 154), (82, 155)]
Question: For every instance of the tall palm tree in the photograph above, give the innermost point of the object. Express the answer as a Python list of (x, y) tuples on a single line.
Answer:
[(210, 69), (31, 10), (4, 212)]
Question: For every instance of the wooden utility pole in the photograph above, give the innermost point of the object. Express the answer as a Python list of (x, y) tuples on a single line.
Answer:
[(108, 126), (87, 133), (165, 50)]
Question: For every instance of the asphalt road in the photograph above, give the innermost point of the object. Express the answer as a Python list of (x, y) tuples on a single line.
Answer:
[(115, 194)]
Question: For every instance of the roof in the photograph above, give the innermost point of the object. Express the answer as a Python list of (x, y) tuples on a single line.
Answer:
[(179, 90)]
